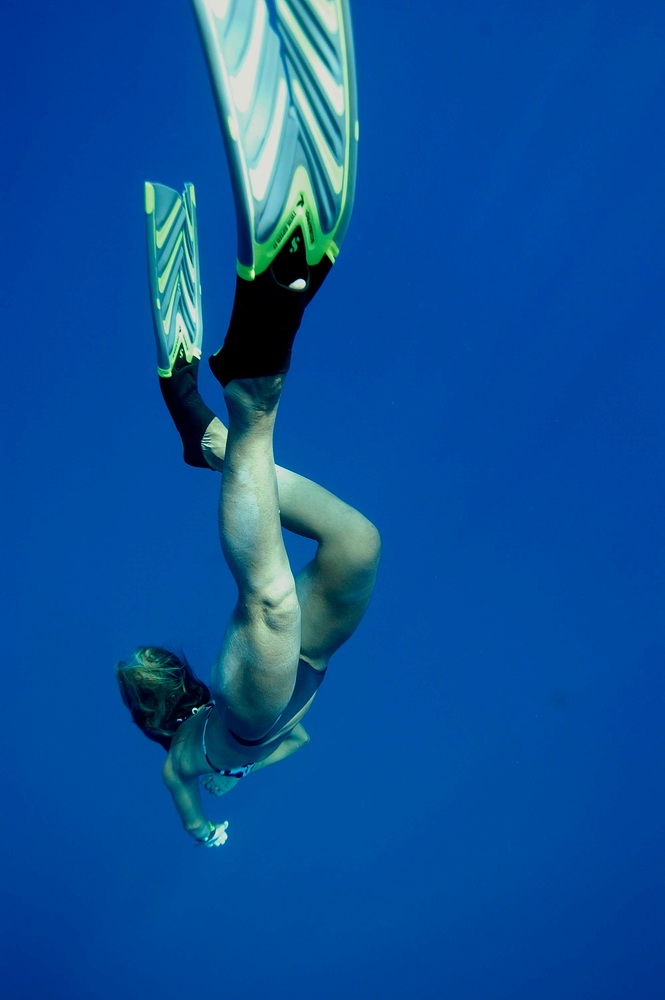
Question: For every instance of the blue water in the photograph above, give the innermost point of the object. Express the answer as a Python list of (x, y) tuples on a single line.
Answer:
[(479, 814)]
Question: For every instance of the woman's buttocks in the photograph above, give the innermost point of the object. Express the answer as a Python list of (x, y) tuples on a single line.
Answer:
[(225, 752), (242, 750)]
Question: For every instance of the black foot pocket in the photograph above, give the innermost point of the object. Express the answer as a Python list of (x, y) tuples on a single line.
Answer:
[(189, 413)]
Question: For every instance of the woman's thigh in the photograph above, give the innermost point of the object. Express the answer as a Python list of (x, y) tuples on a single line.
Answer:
[(335, 588), (255, 672)]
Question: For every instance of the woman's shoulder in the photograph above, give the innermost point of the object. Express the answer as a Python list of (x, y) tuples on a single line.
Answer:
[(185, 757)]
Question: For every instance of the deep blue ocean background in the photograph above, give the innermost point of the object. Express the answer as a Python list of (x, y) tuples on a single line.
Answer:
[(479, 815)]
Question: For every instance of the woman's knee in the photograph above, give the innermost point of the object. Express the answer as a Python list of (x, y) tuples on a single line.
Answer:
[(274, 605), (362, 544), (346, 564), (371, 542)]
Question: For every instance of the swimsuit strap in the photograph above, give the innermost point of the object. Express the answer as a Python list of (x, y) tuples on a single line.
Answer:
[(209, 708)]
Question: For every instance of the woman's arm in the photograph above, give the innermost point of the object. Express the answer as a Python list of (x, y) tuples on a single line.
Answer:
[(187, 800), (296, 739), (219, 784)]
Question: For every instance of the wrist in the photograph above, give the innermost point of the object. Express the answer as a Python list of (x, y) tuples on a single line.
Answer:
[(203, 832)]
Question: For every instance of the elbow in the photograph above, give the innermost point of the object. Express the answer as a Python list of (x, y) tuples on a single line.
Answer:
[(302, 739)]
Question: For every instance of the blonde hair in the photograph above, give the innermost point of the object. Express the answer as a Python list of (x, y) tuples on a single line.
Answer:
[(160, 690)]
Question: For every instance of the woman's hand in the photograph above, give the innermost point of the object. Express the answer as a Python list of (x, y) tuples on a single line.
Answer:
[(218, 784), (216, 837)]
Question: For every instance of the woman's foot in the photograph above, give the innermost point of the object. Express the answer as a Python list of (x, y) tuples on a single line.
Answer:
[(213, 444)]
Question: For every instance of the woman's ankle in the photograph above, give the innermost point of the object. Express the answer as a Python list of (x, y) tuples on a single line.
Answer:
[(254, 398)]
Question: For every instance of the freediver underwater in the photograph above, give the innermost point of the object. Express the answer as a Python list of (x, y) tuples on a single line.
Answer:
[(283, 77)]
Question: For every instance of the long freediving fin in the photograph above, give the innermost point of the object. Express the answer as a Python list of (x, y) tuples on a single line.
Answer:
[(284, 81), (175, 298), (173, 273)]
